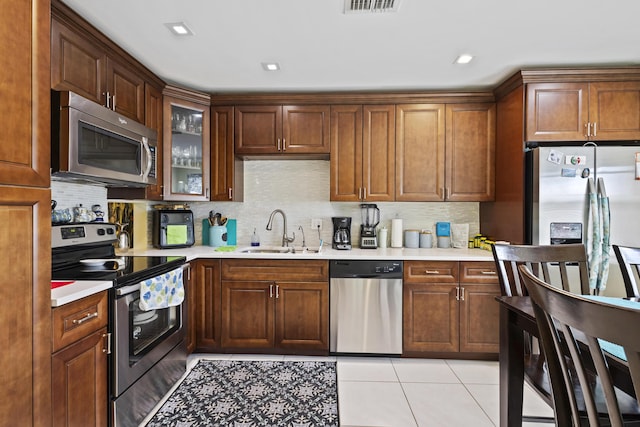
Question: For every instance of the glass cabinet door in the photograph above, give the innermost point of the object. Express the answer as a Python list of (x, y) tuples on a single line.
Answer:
[(186, 151)]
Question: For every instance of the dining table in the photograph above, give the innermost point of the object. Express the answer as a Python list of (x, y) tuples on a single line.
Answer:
[(516, 319)]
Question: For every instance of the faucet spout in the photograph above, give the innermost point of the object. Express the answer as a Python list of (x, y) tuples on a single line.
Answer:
[(285, 239)]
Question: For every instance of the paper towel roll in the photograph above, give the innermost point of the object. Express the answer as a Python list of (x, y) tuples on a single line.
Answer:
[(396, 233)]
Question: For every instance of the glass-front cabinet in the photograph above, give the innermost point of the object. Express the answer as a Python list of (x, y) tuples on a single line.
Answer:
[(186, 150)]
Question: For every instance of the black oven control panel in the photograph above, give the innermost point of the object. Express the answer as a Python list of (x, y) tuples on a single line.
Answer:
[(81, 233)]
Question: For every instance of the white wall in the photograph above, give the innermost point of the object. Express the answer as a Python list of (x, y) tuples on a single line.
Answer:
[(301, 189)]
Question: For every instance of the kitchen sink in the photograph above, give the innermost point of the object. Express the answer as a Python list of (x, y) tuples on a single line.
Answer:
[(278, 250)]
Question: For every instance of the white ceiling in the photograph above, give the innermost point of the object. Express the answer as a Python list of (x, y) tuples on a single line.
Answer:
[(319, 48)]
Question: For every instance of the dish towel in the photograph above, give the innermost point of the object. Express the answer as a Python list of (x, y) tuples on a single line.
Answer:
[(162, 291)]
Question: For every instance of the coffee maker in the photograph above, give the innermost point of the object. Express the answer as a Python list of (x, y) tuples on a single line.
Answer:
[(370, 219), (341, 233)]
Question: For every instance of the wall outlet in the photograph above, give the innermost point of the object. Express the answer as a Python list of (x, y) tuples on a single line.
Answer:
[(316, 224)]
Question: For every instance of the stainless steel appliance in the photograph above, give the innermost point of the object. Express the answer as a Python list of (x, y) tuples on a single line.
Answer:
[(370, 220), (92, 143), (558, 193), (148, 350), (172, 228), (341, 233), (365, 307)]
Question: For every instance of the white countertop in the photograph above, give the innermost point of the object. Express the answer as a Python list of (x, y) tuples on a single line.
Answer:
[(405, 254), (82, 288), (76, 290)]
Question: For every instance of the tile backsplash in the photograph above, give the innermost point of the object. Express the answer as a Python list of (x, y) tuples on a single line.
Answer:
[(301, 189)]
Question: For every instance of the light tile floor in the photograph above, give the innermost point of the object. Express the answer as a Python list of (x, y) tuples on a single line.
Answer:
[(395, 392)]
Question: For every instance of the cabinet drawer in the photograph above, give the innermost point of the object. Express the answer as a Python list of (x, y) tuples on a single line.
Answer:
[(478, 272), (431, 271), (276, 270), (78, 319)]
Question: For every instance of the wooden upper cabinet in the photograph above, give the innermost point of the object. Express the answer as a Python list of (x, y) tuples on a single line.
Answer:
[(362, 153), (614, 111), (420, 152), (82, 66), (153, 119), (226, 169), (276, 129), (24, 88), (597, 111), (470, 152)]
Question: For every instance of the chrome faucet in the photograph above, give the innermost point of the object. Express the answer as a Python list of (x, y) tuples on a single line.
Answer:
[(285, 239), (304, 244)]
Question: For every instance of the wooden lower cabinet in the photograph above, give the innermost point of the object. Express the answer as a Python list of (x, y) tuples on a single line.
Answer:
[(205, 304), (79, 362), (275, 305), (79, 378), (450, 307)]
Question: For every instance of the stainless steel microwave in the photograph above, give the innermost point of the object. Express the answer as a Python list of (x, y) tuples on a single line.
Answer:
[(94, 144)]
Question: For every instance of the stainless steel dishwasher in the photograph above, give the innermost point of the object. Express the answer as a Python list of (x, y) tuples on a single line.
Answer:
[(365, 307)]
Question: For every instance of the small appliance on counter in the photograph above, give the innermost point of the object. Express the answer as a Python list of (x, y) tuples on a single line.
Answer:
[(173, 228), (341, 233), (370, 220)]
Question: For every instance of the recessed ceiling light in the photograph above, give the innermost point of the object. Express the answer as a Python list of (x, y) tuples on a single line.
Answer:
[(179, 28), (271, 66), (463, 59)]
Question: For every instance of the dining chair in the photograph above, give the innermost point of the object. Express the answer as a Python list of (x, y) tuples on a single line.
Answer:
[(554, 264), (629, 260), (573, 331)]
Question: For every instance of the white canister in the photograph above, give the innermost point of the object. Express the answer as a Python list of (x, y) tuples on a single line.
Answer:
[(411, 238), (426, 240), (382, 237), (396, 233)]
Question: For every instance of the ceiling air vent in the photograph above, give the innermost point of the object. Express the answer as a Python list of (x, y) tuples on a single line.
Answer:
[(362, 6)]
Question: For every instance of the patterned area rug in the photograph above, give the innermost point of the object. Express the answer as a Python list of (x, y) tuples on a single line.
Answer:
[(253, 394)]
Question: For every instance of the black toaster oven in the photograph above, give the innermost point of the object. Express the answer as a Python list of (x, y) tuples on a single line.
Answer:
[(173, 229)]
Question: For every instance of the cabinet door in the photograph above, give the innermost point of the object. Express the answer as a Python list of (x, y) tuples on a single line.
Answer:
[(470, 152), (258, 129), (77, 64), (207, 307), (248, 314), (420, 139), (302, 315), (226, 170), (186, 150), (614, 110), (479, 311), (346, 153), (24, 87), (557, 111), (79, 382), (25, 241), (378, 153), (153, 120), (125, 91), (305, 129), (430, 317)]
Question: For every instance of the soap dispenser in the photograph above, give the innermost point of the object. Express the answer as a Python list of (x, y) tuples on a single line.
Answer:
[(255, 239)]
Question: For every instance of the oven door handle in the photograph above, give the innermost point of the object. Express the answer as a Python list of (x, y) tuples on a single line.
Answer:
[(126, 290)]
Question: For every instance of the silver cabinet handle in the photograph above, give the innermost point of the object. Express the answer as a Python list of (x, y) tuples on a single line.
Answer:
[(489, 273), (595, 129), (284, 144), (278, 144), (230, 192), (108, 99), (457, 294), (432, 272), (270, 291), (364, 193), (113, 102), (587, 132), (277, 291), (462, 294), (88, 316), (107, 350)]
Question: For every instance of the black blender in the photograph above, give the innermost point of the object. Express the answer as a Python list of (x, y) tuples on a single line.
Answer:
[(370, 219)]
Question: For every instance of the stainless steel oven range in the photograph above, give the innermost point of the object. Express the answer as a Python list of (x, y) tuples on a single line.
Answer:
[(148, 353)]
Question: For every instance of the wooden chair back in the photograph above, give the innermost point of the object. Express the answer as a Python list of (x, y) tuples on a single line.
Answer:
[(561, 316), (548, 262), (629, 260)]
